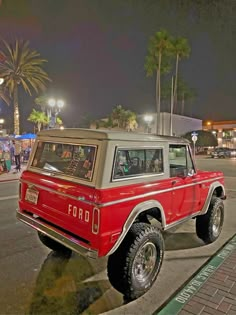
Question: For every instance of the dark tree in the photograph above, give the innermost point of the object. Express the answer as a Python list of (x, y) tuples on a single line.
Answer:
[(205, 139)]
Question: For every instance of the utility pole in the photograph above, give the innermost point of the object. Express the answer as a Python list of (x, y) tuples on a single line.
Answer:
[(171, 106)]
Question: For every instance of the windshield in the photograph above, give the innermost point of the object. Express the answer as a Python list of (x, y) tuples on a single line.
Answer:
[(72, 160)]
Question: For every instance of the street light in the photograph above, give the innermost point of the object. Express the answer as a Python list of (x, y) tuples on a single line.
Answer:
[(54, 109), (1, 125), (1, 81), (148, 119)]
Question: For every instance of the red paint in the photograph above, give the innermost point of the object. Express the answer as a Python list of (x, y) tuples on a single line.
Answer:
[(76, 216)]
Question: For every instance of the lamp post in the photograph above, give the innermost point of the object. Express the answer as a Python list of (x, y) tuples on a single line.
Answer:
[(1, 126), (148, 119), (53, 110)]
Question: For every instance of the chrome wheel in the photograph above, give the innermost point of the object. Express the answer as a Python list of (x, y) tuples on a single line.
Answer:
[(216, 226), (144, 262)]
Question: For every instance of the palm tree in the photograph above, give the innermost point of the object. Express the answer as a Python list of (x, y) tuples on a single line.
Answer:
[(22, 67), (59, 121), (130, 121), (159, 48), (181, 49), (42, 101), (117, 115), (39, 118), (184, 93), (4, 94)]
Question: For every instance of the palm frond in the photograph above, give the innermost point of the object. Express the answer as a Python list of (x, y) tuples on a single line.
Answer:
[(23, 66)]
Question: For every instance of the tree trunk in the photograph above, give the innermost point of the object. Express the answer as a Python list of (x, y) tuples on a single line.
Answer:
[(158, 96), (182, 107), (176, 82), (16, 111), (39, 127)]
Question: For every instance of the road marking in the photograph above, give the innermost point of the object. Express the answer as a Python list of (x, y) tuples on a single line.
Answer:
[(9, 197), (180, 299), (8, 181)]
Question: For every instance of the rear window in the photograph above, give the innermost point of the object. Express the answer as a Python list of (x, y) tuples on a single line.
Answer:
[(67, 159)]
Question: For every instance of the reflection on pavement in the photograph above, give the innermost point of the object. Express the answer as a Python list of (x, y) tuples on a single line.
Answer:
[(66, 284)]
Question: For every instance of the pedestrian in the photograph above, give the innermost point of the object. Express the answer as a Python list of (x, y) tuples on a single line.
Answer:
[(27, 153), (17, 153), (12, 152), (7, 160)]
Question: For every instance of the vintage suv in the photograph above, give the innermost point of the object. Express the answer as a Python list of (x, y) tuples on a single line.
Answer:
[(106, 193)]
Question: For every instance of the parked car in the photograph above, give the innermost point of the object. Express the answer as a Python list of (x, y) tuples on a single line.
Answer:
[(99, 192), (233, 152), (221, 153)]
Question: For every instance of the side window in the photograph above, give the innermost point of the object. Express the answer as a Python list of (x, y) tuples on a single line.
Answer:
[(134, 162), (180, 160)]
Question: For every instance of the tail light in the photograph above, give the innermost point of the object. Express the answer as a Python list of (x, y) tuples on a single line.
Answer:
[(96, 220), (19, 191)]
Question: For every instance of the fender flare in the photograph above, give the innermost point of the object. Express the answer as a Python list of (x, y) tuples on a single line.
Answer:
[(212, 188), (141, 207)]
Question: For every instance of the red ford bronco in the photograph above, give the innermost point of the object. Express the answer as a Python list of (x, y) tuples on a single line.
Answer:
[(105, 193)]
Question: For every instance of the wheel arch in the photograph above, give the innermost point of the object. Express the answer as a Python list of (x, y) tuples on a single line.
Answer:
[(137, 210), (216, 189)]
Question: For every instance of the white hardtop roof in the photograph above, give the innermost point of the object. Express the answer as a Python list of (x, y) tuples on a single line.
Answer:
[(79, 133)]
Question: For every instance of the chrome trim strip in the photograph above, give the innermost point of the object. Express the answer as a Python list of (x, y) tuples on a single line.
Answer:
[(110, 203), (130, 177), (135, 212), (173, 224), (152, 193), (57, 235)]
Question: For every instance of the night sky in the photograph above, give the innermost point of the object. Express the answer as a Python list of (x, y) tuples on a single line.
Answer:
[(96, 52)]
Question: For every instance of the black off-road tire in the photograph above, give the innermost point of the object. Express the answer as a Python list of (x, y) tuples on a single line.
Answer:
[(209, 225), (121, 264), (54, 245)]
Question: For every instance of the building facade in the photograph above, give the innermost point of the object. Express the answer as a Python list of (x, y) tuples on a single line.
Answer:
[(225, 132), (180, 124)]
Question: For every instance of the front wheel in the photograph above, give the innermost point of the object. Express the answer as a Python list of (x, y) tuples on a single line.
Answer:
[(133, 268), (209, 225)]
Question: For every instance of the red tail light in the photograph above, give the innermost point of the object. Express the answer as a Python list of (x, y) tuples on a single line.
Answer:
[(96, 220), (19, 191)]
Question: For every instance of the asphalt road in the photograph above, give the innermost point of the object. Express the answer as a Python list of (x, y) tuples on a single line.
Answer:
[(35, 280)]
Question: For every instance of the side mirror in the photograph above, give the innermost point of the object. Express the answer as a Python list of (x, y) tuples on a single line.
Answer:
[(190, 172)]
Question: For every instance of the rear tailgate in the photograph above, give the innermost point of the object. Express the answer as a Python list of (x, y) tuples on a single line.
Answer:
[(63, 204)]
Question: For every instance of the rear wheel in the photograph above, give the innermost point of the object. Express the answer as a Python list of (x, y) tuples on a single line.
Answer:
[(209, 225), (54, 245), (133, 268)]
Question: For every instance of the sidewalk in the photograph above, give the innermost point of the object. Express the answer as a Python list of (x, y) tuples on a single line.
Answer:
[(211, 291), (12, 175)]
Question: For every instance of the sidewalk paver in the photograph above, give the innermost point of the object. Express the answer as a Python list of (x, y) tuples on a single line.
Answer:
[(211, 291)]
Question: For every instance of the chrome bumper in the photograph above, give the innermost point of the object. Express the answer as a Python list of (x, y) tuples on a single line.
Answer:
[(59, 236)]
